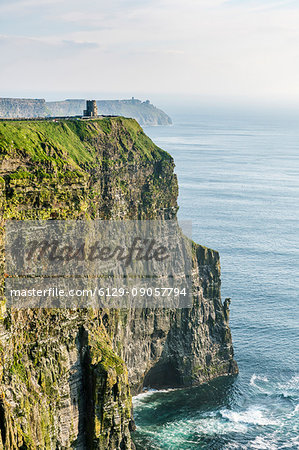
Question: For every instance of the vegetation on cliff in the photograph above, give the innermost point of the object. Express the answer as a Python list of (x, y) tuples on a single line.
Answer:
[(66, 375), (79, 168)]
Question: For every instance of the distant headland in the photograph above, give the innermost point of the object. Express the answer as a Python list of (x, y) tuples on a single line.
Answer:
[(144, 112)]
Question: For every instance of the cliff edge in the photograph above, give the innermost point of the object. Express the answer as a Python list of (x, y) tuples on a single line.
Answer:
[(66, 376), (144, 112)]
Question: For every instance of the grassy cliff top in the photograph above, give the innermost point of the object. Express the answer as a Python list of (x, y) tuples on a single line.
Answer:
[(76, 142), (105, 168)]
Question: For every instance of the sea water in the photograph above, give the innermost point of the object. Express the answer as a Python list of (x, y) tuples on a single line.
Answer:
[(238, 176)]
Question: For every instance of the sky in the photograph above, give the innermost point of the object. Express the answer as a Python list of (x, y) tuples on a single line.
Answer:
[(238, 49)]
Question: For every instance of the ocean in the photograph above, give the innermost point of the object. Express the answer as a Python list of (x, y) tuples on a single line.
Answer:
[(238, 176)]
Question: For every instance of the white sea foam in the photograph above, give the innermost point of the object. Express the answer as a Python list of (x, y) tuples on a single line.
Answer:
[(206, 426), (186, 431), (252, 416), (294, 412), (292, 444), (138, 399), (233, 446), (255, 378), (212, 426), (289, 387), (262, 443)]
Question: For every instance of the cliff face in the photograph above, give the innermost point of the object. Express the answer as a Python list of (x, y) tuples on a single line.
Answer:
[(144, 112), (22, 107), (65, 375)]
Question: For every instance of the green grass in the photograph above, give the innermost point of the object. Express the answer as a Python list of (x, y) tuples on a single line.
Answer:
[(44, 141), (72, 141)]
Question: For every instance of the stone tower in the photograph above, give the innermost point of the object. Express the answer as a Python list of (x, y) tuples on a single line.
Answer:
[(91, 109)]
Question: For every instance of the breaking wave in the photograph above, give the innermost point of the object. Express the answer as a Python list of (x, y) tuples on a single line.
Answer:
[(253, 416)]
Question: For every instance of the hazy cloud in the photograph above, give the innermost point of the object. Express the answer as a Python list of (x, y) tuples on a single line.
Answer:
[(212, 47)]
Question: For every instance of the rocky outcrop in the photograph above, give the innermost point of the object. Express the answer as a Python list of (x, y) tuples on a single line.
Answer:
[(66, 376), (183, 347), (144, 112)]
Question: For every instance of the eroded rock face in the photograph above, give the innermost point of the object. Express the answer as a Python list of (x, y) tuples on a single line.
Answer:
[(182, 347), (62, 385), (66, 376)]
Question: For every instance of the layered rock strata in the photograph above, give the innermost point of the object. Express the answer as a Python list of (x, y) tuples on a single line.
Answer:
[(67, 376)]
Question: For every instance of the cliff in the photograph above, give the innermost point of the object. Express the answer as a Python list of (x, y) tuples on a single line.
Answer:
[(144, 112), (22, 107), (66, 376)]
